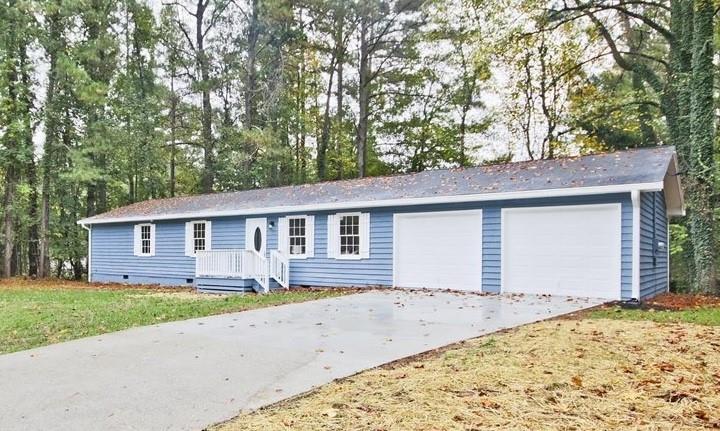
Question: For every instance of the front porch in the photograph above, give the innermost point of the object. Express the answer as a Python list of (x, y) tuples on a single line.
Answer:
[(238, 270)]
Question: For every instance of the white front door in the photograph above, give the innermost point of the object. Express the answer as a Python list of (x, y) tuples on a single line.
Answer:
[(562, 250), (256, 234), (438, 250)]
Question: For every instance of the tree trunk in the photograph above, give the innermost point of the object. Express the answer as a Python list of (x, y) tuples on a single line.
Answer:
[(208, 175), (9, 219), (702, 158), (340, 43), (324, 142), (51, 132), (251, 81), (12, 175), (33, 235), (363, 99)]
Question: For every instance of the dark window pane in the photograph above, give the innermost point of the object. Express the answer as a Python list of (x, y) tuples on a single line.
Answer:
[(258, 239)]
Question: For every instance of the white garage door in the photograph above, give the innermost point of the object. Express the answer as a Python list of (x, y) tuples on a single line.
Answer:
[(562, 250), (440, 250)]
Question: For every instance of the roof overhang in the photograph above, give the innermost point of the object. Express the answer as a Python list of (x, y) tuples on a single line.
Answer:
[(452, 199)]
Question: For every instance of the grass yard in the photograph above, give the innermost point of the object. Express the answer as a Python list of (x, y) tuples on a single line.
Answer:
[(34, 314), (602, 370)]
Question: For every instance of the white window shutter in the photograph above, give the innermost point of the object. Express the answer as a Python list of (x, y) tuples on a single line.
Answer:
[(137, 245), (189, 244), (365, 235), (152, 240), (283, 235), (310, 236), (208, 235), (332, 236)]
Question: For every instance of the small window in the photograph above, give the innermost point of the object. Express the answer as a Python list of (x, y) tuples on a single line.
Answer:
[(296, 235), (199, 236), (145, 240), (350, 235)]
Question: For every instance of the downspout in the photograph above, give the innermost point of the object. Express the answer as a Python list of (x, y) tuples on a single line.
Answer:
[(89, 257), (635, 197)]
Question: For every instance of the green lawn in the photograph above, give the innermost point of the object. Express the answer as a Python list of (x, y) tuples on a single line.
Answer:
[(32, 316), (700, 316)]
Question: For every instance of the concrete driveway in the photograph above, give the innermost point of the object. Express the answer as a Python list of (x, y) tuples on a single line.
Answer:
[(190, 374)]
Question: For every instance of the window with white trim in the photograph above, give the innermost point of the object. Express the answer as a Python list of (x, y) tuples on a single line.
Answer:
[(350, 235), (199, 232), (296, 236), (297, 239), (145, 240), (198, 237)]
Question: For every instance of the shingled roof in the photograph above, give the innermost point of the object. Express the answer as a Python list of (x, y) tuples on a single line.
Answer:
[(639, 167)]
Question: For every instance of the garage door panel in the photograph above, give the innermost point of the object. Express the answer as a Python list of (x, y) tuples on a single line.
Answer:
[(568, 250), (438, 250)]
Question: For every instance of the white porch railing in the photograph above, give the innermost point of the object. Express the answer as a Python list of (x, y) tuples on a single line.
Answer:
[(247, 264), (220, 263), (257, 267), (280, 268)]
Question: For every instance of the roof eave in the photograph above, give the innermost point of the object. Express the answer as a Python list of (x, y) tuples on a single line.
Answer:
[(480, 197)]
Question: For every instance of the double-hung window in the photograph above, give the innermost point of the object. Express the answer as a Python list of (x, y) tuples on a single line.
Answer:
[(349, 236), (198, 236), (297, 236), (144, 239)]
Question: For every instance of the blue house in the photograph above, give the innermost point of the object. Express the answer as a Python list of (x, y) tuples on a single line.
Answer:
[(594, 226)]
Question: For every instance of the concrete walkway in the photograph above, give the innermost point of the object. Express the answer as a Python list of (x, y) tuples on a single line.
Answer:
[(190, 374)]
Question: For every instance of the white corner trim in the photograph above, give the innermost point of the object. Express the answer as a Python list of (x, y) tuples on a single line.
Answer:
[(636, 201), (358, 205), (89, 256)]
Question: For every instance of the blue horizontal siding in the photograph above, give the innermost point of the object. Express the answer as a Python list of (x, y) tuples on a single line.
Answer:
[(653, 229), (113, 247)]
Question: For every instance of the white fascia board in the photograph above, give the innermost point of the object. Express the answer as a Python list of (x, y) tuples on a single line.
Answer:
[(331, 206)]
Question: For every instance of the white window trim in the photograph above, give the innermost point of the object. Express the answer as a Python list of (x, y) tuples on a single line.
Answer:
[(138, 240), (309, 236), (190, 236), (364, 233)]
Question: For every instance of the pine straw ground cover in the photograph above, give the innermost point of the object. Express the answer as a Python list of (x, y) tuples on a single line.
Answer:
[(586, 374)]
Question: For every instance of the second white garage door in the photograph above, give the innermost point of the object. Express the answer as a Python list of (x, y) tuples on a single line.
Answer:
[(439, 250), (562, 250)]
